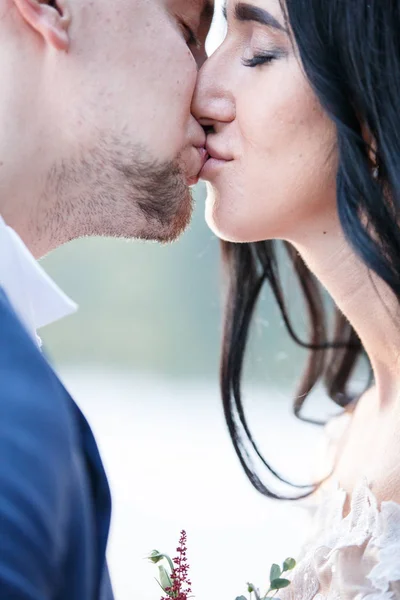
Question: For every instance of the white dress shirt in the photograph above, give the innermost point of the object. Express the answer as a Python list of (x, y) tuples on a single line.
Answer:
[(34, 296)]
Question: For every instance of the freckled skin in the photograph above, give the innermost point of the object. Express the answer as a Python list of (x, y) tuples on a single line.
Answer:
[(268, 120), (281, 184), (112, 112)]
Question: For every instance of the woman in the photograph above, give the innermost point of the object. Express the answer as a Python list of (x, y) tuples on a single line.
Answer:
[(301, 105)]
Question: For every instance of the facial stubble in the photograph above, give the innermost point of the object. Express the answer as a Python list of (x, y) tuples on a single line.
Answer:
[(115, 190)]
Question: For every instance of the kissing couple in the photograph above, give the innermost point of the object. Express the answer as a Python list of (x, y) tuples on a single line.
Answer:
[(110, 112)]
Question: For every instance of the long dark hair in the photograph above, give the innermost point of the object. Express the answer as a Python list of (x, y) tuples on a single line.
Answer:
[(350, 53)]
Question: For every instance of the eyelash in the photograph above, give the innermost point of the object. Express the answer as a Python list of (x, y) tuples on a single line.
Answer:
[(258, 59), (193, 40)]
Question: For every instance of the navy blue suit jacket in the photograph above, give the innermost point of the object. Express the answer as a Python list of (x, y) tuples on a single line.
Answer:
[(54, 498)]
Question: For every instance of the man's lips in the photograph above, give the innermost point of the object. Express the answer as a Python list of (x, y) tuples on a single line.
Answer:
[(203, 156)]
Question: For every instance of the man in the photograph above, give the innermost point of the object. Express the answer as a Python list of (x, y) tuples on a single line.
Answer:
[(96, 139)]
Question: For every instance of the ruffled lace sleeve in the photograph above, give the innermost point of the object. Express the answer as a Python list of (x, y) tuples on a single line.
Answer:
[(356, 557)]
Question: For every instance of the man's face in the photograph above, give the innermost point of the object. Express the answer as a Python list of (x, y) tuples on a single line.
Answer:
[(123, 146)]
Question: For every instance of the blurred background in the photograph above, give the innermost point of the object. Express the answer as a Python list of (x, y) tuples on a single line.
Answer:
[(141, 359)]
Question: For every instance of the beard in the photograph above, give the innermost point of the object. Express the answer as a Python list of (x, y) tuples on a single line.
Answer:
[(115, 190)]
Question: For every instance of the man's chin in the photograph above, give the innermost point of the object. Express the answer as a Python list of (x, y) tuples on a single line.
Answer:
[(181, 222), (129, 194), (173, 225)]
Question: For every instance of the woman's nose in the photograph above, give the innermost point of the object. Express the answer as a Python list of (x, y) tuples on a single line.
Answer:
[(213, 101)]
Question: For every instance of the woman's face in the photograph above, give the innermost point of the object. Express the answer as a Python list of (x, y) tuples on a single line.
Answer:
[(278, 148)]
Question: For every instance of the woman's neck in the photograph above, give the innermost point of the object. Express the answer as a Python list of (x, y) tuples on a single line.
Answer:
[(364, 299)]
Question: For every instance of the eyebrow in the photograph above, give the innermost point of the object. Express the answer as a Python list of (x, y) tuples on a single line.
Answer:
[(248, 12)]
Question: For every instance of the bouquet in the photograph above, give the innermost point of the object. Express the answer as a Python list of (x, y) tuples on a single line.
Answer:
[(174, 581)]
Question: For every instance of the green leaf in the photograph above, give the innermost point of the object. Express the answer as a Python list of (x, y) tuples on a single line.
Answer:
[(252, 588), (155, 556), (279, 584), (275, 572), (168, 593), (289, 564), (165, 579), (240, 598)]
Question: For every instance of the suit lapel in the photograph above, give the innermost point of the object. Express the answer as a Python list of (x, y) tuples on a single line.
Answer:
[(100, 491)]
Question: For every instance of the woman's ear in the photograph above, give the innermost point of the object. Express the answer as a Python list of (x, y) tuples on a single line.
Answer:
[(49, 18)]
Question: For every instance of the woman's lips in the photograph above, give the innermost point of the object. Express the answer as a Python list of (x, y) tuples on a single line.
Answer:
[(215, 162), (210, 160), (214, 153)]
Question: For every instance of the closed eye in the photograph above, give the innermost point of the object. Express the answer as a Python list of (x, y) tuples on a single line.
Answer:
[(258, 59), (190, 36)]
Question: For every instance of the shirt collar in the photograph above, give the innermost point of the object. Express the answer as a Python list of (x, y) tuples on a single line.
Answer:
[(34, 296)]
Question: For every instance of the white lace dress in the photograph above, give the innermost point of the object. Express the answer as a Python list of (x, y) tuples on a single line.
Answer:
[(356, 557)]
